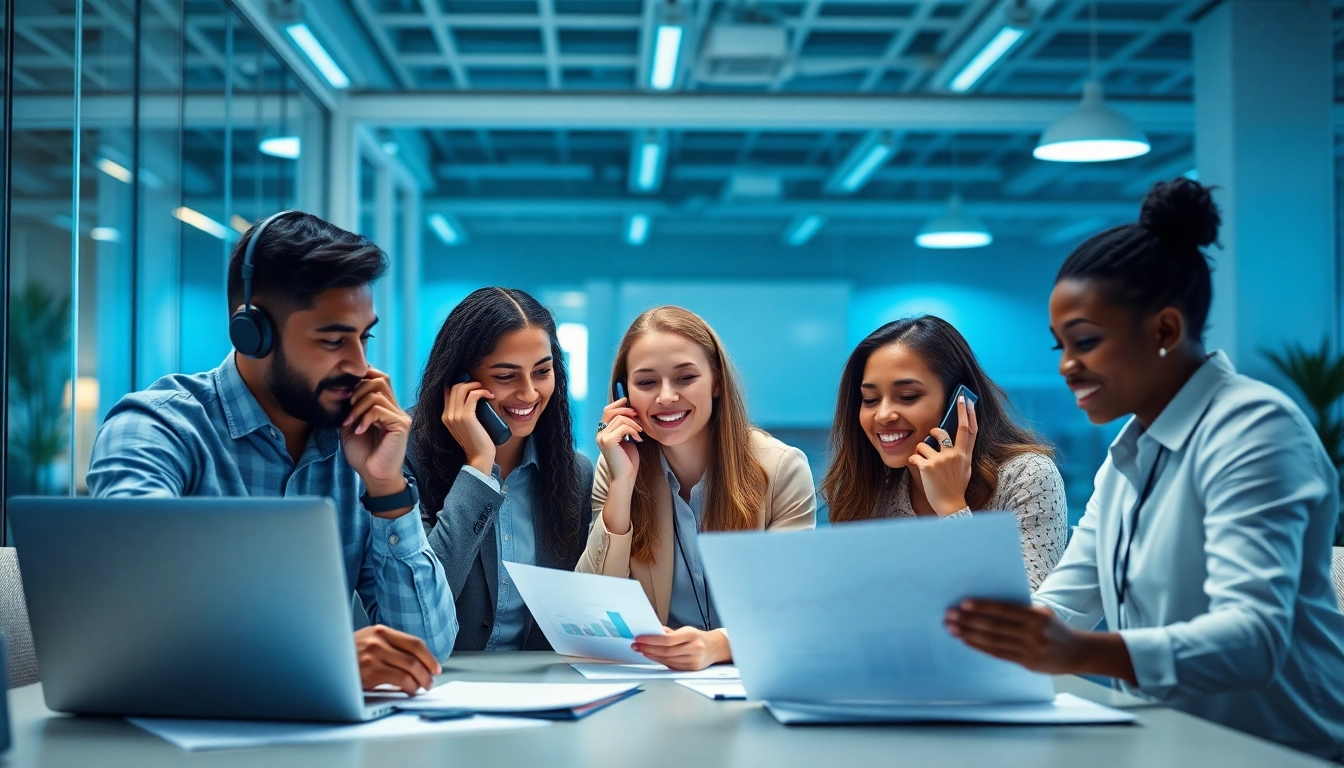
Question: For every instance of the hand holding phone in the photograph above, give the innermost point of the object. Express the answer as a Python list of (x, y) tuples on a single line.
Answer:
[(619, 391), (617, 439), (495, 427), (945, 468), (950, 422)]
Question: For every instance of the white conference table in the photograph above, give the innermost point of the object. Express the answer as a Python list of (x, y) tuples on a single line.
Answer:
[(668, 725)]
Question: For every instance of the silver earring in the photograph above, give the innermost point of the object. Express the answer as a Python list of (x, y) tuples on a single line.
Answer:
[(1162, 352)]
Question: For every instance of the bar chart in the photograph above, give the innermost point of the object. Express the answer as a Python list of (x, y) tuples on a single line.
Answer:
[(611, 626)]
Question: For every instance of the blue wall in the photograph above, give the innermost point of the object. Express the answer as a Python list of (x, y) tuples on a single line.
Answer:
[(790, 316)]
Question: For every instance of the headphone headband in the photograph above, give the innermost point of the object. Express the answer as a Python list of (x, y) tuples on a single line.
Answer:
[(250, 329), (249, 268)]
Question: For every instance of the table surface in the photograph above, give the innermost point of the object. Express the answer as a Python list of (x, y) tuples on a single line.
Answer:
[(668, 725)]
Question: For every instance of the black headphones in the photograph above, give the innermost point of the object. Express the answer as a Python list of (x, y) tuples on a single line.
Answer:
[(250, 328)]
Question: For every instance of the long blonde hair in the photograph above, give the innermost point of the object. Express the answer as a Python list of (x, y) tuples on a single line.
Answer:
[(734, 481)]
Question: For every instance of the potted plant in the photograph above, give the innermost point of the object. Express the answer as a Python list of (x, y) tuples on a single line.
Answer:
[(39, 338), (1319, 376)]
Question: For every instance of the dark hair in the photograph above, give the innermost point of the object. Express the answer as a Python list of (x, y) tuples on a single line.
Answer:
[(471, 332), (1156, 262), (852, 487), (299, 257)]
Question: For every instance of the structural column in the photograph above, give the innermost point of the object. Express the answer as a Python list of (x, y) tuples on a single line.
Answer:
[(1264, 88)]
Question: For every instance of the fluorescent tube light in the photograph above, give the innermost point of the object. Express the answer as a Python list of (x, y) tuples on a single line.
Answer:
[(448, 234), (239, 224), (802, 229), (115, 170), (988, 56), (200, 221), (665, 53), (105, 234), (638, 229), (864, 169), (649, 153), (308, 43), (286, 147)]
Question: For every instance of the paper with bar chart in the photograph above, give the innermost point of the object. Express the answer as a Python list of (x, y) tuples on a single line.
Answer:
[(583, 614)]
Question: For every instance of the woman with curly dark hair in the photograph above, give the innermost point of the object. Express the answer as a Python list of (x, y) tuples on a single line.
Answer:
[(525, 501)]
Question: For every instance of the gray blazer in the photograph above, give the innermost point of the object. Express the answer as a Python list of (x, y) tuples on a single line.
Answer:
[(462, 535)]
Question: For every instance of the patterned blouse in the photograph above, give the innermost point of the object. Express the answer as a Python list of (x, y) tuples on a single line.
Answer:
[(1030, 486)]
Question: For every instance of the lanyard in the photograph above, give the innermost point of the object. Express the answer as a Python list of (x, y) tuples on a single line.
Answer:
[(676, 534), (1122, 578)]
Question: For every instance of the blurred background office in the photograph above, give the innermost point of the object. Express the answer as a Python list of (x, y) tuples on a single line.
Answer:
[(798, 172)]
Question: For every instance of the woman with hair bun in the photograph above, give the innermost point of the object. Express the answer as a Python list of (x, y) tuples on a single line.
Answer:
[(1206, 545)]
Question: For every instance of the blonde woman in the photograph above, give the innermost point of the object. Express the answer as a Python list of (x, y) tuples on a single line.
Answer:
[(694, 463)]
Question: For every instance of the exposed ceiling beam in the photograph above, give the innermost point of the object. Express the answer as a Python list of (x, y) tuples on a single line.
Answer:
[(743, 112), (540, 208), (682, 172)]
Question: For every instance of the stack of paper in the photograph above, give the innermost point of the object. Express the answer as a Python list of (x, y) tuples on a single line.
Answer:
[(717, 690), (193, 735), (653, 672), (551, 701)]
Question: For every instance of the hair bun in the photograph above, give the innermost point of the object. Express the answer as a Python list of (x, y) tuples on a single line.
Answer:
[(1182, 212)]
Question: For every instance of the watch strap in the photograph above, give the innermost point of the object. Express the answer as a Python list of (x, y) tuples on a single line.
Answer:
[(407, 497)]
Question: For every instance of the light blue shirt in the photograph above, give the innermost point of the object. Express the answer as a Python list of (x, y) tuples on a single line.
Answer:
[(1229, 613), (206, 435), (690, 604), (515, 542)]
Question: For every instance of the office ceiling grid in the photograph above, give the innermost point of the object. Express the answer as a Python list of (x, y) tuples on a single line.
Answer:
[(838, 46)]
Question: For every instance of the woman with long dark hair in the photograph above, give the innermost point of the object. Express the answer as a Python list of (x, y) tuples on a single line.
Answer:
[(1206, 545), (893, 394), (525, 501)]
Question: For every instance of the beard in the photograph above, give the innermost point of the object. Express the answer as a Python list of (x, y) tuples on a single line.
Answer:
[(302, 400)]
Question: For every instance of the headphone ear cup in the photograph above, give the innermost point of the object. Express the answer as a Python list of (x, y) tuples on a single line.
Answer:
[(251, 332)]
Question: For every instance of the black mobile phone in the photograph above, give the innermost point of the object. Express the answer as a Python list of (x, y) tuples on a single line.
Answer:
[(950, 420), (618, 390), (495, 427)]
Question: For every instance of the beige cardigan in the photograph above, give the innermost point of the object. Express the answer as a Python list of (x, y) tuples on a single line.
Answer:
[(790, 505)]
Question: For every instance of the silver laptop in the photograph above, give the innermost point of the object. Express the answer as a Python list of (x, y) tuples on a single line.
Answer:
[(197, 607)]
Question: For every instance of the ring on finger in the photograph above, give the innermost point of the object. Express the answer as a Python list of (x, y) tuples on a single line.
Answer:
[(601, 425), (946, 441)]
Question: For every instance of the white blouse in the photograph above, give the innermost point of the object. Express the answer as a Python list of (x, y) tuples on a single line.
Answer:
[(1031, 487)]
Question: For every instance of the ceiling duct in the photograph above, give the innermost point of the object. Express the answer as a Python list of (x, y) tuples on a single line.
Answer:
[(744, 54)]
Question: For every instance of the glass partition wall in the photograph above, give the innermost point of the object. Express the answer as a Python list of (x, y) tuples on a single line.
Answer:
[(140, 137)]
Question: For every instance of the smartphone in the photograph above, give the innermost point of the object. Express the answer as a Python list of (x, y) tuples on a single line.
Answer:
[(495, 427), (950, 420), (618, 392)]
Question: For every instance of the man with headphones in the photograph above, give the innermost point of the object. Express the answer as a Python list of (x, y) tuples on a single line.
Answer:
[(296, 410)]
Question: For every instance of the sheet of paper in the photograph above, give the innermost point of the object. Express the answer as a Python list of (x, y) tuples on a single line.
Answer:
[(719, 690), (500, 698), (584, 614), (855, 612), (193, 735), (1066, 709), (652, 672)]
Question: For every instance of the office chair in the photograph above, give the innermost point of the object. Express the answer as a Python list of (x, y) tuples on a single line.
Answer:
[(20, 658)]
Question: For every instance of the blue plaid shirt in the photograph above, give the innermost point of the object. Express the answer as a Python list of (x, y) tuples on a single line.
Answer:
[(206, 435)]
